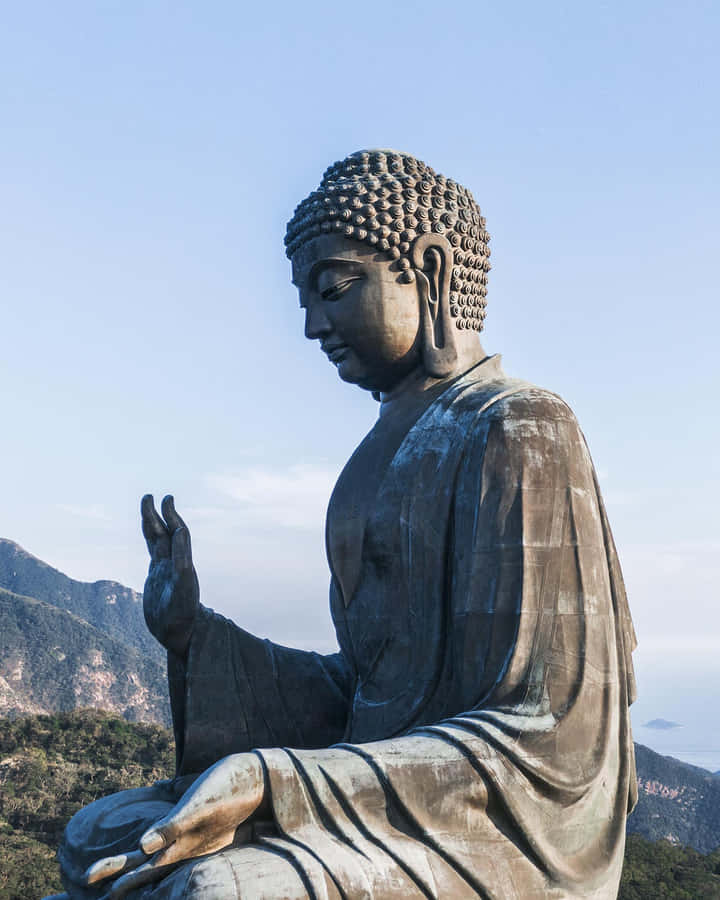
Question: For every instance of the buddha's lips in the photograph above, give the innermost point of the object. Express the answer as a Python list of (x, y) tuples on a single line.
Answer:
[(337, 352)]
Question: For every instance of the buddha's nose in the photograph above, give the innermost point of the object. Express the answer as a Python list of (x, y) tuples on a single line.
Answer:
[(317, 324)]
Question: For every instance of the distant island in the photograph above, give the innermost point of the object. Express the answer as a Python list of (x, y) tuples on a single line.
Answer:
[(661, 724)]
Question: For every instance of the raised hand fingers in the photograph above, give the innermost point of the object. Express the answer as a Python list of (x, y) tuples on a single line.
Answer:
[(180, 536), (170, 515), (154, 529)]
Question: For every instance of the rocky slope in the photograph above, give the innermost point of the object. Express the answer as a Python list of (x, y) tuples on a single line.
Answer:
[(51, 660), (67, 644)]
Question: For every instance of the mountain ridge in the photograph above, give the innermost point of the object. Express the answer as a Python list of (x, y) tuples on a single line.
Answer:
[(106, 605), (67, 644)]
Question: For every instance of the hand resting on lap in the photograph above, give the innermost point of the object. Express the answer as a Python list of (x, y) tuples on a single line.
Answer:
[(203, 821)]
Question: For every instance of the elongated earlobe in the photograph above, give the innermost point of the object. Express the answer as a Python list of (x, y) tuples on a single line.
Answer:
[(432, 262)]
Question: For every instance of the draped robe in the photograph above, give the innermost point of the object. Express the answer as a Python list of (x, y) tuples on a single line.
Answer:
[(471, 738)]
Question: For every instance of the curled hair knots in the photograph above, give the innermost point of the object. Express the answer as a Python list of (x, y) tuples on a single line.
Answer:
[(387, 199)]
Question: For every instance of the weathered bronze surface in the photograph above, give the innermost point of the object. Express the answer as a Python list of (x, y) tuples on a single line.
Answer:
[(471, 738)]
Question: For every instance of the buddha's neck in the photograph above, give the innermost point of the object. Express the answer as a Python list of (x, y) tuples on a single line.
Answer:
[(418, 388)]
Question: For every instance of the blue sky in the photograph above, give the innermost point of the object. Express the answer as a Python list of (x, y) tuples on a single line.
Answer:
[(151, 154)]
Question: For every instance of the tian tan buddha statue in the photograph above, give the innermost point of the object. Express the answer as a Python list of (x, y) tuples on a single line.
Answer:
[(471, 738)]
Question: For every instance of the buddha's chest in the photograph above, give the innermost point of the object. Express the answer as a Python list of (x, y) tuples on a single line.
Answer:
[(360, 528), (388, 574)]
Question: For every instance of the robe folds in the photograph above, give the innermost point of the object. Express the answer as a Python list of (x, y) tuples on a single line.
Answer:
[(472, 736)]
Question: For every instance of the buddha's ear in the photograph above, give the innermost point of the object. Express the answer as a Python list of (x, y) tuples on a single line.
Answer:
[(432, 258)]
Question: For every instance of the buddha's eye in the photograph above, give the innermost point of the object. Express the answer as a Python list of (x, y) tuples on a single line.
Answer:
[(335, 291)]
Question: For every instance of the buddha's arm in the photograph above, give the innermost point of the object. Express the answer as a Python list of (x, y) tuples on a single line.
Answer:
[(230, 691), (233, 691)]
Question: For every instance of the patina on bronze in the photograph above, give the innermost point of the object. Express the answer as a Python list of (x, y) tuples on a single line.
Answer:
[(471, 738)]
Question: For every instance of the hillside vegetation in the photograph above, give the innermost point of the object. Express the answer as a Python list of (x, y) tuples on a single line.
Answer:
[(656, 871), (50, 766)]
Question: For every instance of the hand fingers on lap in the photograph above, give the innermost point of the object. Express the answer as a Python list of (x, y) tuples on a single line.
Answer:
[(114, 865), (189, 813), (176, 837), (192, 845), (161, 834), (151, 871), (104, 868), (166, 833), (188, 847)]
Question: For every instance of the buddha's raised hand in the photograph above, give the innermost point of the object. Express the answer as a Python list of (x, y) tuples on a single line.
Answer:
[(171, 597), (203, 821)]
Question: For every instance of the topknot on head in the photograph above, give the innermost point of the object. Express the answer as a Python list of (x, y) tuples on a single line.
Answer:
[(387, 199)]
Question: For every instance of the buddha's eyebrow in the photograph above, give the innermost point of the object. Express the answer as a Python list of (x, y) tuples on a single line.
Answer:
[(329, 262)]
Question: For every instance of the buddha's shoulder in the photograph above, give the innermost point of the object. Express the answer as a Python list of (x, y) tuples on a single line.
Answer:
[(511, 399)]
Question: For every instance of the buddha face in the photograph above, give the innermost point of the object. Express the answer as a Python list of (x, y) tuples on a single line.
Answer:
[(366, 319)]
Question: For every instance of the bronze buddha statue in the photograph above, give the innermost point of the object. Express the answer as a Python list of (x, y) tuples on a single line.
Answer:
[(471, 738)]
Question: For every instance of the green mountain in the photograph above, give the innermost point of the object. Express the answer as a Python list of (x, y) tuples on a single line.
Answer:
[(52, 660), (109, 606)]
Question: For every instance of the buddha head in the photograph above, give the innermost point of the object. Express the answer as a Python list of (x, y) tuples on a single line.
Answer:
[(391, 261)]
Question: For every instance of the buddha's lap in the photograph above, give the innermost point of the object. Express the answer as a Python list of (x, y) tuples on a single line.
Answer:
[(250, 872)]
